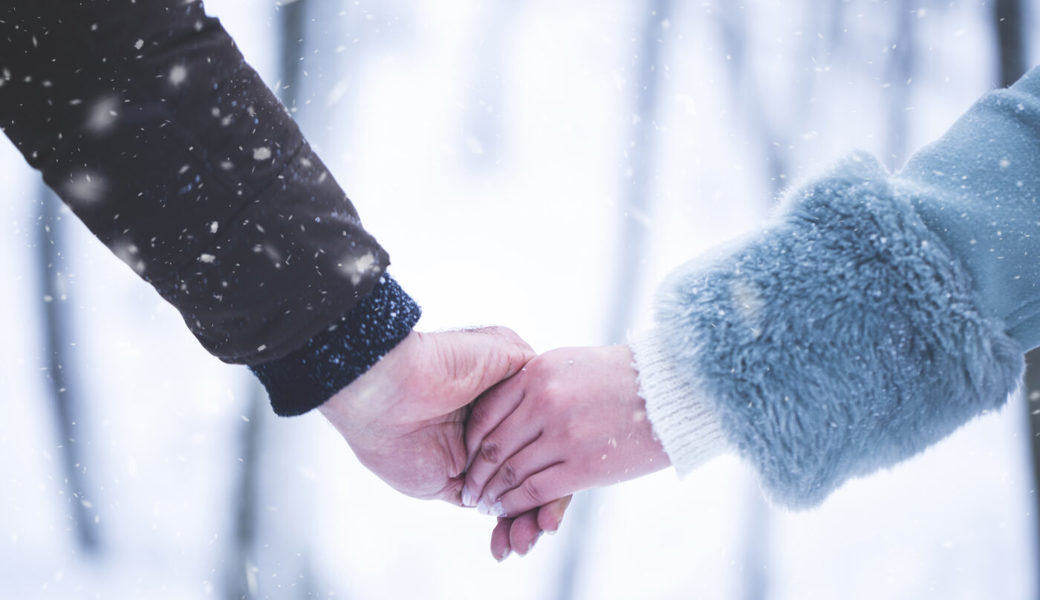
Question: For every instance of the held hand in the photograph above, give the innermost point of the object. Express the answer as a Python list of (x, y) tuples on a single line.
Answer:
[(570, 420), (404, 417), (520, 533)]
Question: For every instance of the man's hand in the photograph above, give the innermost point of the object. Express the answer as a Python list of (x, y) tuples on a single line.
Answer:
[(404, 418), (572, 419)]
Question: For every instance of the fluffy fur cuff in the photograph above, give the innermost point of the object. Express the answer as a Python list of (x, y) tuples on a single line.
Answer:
[(842, 339)]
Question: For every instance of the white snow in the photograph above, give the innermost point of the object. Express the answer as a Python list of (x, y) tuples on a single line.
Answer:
[(523, 234)]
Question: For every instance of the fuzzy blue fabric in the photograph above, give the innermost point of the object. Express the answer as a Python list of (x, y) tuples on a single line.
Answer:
[(979, 190), (844, 338)]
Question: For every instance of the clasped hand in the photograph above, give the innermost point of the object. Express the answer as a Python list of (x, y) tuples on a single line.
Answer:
[(474, 418)]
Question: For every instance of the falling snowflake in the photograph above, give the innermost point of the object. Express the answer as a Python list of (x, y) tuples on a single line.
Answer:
[(261, 153), (84, 187), (356, 268), (337, 92), (178, 74), (128, 252), (103, 114)]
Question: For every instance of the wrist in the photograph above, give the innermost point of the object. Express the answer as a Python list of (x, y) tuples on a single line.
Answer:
[(359, 405), (642, 451), (346, 350), (678, 411)]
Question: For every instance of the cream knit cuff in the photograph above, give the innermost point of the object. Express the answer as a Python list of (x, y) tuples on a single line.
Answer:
[(679, 412)]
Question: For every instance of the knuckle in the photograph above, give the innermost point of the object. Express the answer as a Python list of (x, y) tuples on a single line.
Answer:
[(490, 451), (509, 475), (504, 334), (500, 331), (552, 393), (555, 397), (574, 430), (478, 417), (538, 366), (532, 492)]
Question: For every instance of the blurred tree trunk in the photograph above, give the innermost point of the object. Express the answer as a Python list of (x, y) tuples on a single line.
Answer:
[(1012, 52), (1011, 43), (897, 80), (747, 96), (483, 128), (836, 25), (242, 567), (293, 15), (241, 575), (63, 395), (635, 208), (638, 182), (774, 138)]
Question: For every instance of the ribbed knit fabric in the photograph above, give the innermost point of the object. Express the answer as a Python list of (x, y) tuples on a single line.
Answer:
[(337, 356), (678, 410)]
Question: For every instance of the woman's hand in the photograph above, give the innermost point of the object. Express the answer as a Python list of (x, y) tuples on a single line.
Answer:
[(571, 419), (519, 534)]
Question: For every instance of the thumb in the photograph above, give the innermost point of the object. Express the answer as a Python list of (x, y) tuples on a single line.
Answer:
[(483, 357)]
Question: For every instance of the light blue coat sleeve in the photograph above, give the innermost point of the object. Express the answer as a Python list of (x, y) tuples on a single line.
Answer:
[(875, 316), (979, 188)]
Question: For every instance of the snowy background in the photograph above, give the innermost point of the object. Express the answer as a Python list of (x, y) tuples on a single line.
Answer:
[(510, 155)]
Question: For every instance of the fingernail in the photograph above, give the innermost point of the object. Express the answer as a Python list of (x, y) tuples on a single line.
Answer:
[(531, 545), (483, 508), (551, 531), (497, 510), (504, 556), (467, 497)]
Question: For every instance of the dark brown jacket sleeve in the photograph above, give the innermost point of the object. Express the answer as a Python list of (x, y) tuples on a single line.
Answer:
[(146, 120), (143, 116)]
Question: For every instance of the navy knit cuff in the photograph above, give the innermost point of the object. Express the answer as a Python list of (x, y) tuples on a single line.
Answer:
[(337, 356)]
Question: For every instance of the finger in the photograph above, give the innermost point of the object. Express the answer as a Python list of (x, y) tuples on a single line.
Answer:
[(524, 532), (505, 334), (489, 411), (527, 461), (487, 356), (550, 516), (512, 435), (520, 533), (500, 547), (538, 489)]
